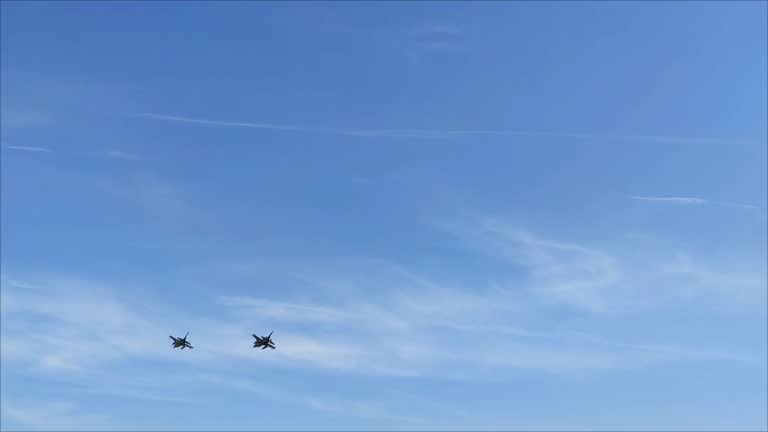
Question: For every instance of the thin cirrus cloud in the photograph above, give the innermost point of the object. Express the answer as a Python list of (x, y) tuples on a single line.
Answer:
[(52, 415), (673, 200), (92, 332), (116, 154), (602, 282), (356, 407), (431, 134), (112, 154), (394, 133), (29, 149), (407, 330), (66, 328), (439, 29), (695, 201)]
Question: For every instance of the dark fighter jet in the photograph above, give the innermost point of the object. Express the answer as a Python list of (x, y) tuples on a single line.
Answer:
[(264, 342), (181, 342)]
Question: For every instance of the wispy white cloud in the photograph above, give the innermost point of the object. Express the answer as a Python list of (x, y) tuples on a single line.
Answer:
[(395, 133), (696, 201), (113, 154), (425, 133), (400, 323), (727, 287), (582, 277), (221, 122), (129, 394), (286, 311), (29, 148), (436, 28), (414, 326), (344, 407), (67, 326), (116, 154), (52, 415), (432, 38), (598, 281), (674, 200)]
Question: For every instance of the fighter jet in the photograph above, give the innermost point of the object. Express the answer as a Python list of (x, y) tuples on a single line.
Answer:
[(264, 342), (181, 342)]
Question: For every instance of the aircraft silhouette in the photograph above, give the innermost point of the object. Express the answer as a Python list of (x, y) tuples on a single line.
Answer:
[(264, 342), (181, 342)]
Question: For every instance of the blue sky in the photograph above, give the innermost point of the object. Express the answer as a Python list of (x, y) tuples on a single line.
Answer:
[(453, 215)]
